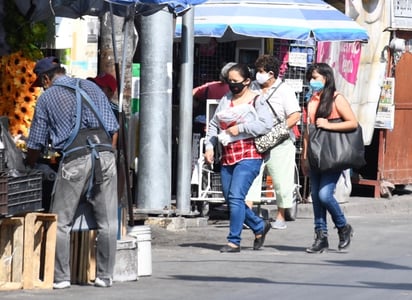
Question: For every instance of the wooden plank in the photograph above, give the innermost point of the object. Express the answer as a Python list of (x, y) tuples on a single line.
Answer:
[(369, 182), (36, 256), (28, 282), (50, 253), (85, 254), (8, 286), (75, 236), (6, 242), (18, 250), (92, 256), (39, 234), (71, 256), (83, 250)]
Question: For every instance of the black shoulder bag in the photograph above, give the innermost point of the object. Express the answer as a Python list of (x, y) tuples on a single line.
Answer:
[(335, 150)]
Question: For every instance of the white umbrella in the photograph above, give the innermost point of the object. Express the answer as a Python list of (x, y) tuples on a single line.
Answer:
[(38, 10), (231, 20)]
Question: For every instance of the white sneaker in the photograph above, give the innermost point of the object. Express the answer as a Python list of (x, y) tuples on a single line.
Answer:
[(103, 282), (278, 224), (61, 285)]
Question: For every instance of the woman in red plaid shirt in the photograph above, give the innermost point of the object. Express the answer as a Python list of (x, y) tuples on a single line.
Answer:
[(240, 116)]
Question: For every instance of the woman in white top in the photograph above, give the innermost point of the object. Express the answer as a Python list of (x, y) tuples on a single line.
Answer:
[(279, 161)]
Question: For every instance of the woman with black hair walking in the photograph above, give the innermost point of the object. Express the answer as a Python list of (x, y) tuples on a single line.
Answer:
[(324, 105)]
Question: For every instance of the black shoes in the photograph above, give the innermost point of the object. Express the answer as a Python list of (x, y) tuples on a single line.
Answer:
[(321, 239), (320, 244), (258, 242), (345, 234), (229, 249)]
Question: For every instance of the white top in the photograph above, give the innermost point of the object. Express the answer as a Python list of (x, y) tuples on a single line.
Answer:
[(283, 101)]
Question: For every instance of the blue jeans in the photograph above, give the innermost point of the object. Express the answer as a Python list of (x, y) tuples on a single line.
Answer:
[(323, 200), (236, 181)]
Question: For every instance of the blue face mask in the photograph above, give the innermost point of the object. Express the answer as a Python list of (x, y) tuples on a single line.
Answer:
[(316, 85)]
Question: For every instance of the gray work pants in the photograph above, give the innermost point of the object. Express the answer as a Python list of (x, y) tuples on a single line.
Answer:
[(71, 184)]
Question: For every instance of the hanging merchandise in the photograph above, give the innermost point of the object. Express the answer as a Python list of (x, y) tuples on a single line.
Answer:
[(134, 117), (385, 115), (13, 156)]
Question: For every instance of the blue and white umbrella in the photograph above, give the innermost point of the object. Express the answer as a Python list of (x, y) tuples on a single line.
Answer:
[(230, 20), (38, 10)]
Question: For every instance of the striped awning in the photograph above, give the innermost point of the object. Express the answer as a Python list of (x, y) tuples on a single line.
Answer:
[(281, 19)]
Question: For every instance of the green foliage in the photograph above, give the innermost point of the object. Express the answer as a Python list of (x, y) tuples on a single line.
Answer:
[(21, 34)]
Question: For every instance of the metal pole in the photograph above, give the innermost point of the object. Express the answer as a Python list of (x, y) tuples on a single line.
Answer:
[(122, 122), (154, 169), (122, 73), (184, 163)]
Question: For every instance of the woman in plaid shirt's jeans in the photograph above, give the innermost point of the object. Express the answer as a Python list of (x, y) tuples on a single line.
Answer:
[(240, 162)]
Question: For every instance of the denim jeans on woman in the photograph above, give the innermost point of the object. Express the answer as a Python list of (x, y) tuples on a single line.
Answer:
[(323, 200), (236, 181)]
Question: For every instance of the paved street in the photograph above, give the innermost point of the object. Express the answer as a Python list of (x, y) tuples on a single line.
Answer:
[(188, 265)]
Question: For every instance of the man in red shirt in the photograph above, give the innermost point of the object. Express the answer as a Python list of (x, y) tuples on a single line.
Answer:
[(209, 90)]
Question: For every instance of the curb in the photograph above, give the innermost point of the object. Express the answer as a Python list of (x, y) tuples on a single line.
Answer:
[(358, 206)]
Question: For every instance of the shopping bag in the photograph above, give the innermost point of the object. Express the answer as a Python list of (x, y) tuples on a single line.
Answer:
[(335, 151)]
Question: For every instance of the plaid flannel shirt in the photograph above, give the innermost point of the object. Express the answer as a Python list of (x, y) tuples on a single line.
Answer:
[(239, 150)]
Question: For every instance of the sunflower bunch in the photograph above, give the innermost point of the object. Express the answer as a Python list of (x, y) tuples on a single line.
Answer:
[(17, 96)]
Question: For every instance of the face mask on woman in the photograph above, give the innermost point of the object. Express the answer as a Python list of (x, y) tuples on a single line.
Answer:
[(261, 78), (316, 85), (236, 87)]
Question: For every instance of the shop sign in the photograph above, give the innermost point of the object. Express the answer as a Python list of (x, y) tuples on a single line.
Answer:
[(401, 17)]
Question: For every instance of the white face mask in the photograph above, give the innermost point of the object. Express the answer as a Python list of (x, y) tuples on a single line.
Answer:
[(261, 78)]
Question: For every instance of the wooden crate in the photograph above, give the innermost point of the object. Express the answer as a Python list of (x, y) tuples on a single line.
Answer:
[(83, 252), (11, 253), (39, 250), (83, 256), (27, 250)]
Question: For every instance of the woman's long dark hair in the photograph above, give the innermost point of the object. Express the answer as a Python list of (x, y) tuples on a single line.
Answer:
[(327, 94)]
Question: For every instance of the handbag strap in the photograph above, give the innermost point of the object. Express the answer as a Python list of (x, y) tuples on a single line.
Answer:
[(335, 120), (309, 112), (267, 100)]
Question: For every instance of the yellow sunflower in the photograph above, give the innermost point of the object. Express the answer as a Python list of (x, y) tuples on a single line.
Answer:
[(25, 109), (18, 129), (17, 98)]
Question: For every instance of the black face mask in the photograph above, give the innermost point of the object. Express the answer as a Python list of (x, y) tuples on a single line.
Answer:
[(236, 87)]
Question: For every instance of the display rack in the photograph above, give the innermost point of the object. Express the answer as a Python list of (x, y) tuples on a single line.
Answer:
[(296, 57)]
